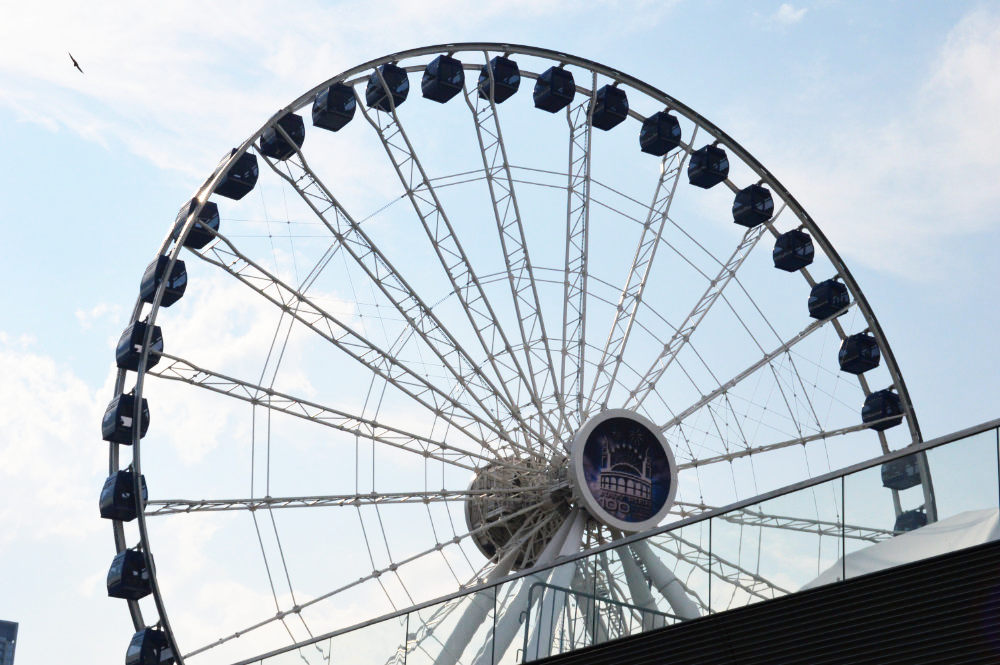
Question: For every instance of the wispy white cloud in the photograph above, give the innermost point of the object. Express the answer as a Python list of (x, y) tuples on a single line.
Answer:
[(42, 406), (179, 91), (890, 189), (99, 312), (787, 14)]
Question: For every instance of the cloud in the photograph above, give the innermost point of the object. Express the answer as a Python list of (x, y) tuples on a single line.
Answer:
[(179, 92), (787, 14), (100, 312), (49, 414), (890, 190)]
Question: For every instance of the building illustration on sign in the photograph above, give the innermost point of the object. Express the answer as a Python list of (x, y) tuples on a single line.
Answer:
[(626, 489)]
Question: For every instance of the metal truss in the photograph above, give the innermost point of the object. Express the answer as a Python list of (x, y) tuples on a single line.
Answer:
[(226, 256), (179, 369), (734, 574), (173, 506), (683, 333), (610, 361), (418, 315), (463, 278), (520, 276), (574, 317), (769, 357), (798, 441), (825, 528)]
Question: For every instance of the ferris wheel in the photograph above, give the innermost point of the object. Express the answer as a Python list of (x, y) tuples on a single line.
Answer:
[(534, 308)]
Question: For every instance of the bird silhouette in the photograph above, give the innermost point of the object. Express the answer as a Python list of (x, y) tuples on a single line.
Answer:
[(75, 63)]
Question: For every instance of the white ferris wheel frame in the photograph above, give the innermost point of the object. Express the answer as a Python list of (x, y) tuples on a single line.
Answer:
[(481, 389)]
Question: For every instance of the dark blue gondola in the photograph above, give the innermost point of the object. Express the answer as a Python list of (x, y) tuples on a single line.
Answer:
[(130, 346), (901, 473), (554, 89), (827, 298), (334, 107), (610, 108), (753, 205), (793, 251), (155, 272), (911, 520), (708, 167), (241, 177), (660, 133), (274, 145), (149, 646), (396, 82), (858, 354), (117, 499), (444, 77), (883, 409), (128, 577), (199, 235), (506, 79), (116, 426)]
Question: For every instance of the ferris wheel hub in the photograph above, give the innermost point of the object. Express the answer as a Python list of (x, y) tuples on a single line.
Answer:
[(510, 488)]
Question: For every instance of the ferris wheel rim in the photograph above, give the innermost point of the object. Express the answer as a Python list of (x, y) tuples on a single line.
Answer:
[(701, 123)]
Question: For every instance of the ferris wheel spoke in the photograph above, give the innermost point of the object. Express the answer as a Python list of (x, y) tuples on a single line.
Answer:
[(470, 621), (520, 275), (420, 317), (635, 283), (226, 256), (766, 361), (683, 332), (464, 281), (425, 631), (756, 450), (374, 575), (179, 369), (709, 562), (756, 518), (774, 372), (574, 317), (175, 506)]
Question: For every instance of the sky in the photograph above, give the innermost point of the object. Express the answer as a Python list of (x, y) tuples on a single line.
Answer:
[(880, 119)]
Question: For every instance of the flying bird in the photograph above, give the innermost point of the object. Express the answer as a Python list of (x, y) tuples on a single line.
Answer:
[(75, 63)]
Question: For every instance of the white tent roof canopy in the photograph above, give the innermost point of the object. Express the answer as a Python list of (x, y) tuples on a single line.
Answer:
[(967, 529)]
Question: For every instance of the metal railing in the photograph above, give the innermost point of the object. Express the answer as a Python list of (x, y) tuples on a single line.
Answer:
[(573, 619), (816, 532)]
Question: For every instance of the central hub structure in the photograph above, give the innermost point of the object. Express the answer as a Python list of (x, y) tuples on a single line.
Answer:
[(623, 471), (510, 488), (620, 470)]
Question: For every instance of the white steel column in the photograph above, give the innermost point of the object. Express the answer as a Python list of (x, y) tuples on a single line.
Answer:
[(638, 590), (509, 625), (561, 577), (473, 617), (666, 582)]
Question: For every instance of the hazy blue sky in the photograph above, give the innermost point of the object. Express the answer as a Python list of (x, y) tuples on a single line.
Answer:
[(879, 117)]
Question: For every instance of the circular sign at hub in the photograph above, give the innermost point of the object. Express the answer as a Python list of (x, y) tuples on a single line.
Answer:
[(623, 470)]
